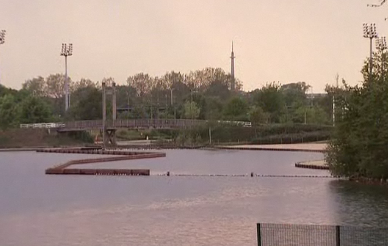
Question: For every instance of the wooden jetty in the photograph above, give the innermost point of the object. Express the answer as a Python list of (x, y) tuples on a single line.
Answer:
[(62, 169)]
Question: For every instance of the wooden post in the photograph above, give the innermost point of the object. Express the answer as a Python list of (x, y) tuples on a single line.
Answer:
[(258, 234), (337, 236)]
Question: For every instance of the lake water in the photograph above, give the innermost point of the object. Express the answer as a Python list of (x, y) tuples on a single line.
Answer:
[(48, 210)]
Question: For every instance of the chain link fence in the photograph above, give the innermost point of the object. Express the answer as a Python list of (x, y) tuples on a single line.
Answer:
[(320, 235)]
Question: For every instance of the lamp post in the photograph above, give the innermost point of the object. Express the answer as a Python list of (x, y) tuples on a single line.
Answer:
[(370, 32), (171, 99), (2, 36), (381, 45), (191, 104), (67, 50), (165, 109), (172, 102)]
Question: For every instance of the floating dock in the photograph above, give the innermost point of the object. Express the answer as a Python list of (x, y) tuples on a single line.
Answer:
[(62, 169), (108, 172), (321, 164)]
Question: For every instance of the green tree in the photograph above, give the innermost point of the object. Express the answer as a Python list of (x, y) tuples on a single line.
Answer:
[(34, 110), (36, 86), (271, 100), (257, 116), (212, 108), (191, 110), (8, 112), (88, 105), (7, 91), (236, 109), (358, 146), (295, 93)]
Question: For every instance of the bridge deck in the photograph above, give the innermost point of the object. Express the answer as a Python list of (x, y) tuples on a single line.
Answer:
[(128, 123), (133, 124)]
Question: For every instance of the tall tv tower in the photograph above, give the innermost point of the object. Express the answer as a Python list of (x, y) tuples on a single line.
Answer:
[(233, 85)]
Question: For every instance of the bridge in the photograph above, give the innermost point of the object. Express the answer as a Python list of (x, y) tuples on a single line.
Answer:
[(131, 124), (109, 128), (85, 125)]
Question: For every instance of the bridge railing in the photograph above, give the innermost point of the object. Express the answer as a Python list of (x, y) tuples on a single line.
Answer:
[(43, 125), (128, 123), (155, 123), (134, 123), (84, 124)]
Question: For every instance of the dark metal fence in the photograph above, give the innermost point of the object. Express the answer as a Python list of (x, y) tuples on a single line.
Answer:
[(320, 235)]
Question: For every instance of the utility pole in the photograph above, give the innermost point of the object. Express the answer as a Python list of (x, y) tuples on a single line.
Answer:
[(165, 109), (67, 50), (151, 107), (191, 104)]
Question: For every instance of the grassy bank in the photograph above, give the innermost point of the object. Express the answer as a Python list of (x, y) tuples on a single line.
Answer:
[(17, 138)]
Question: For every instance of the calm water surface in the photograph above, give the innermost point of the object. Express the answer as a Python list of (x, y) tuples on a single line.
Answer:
[(46, 210)]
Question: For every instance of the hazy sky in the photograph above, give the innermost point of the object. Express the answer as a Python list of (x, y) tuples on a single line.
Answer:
[(275, 40)]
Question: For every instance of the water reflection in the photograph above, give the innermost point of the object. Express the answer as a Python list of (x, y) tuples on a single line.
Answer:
[(358, 204)]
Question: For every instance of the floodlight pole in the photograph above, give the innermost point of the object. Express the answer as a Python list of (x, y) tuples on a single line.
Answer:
[(2, 36), (370, 32), (67, 50)]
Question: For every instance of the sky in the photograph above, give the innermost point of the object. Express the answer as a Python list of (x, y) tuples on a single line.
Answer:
[(275, 40)]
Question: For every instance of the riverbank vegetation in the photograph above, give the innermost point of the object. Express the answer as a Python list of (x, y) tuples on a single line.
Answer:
[(358, 148), (226, 134), (22, 138), (274, 113)]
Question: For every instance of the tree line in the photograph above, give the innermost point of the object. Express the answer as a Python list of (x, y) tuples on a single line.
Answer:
[(358, 146), (202, 94)]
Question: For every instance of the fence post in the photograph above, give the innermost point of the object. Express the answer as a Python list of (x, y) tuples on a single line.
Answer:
[(337, 236), (258, 234)]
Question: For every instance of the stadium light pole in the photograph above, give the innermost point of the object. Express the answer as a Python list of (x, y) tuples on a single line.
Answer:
[(370, 32), (381, 45), (67, 50), (2, 36)]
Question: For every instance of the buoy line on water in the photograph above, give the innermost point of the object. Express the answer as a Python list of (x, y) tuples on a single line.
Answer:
[(249, 175)]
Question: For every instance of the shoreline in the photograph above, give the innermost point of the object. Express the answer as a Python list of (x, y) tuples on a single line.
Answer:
[(305, 147)]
